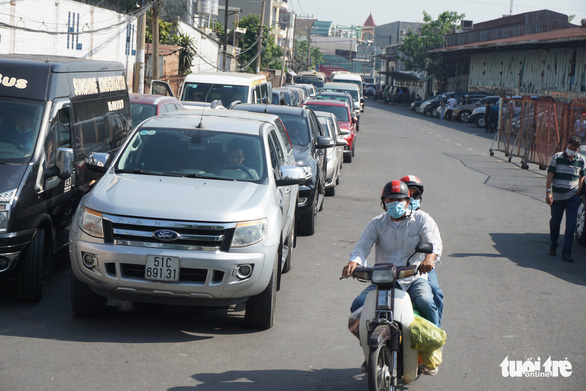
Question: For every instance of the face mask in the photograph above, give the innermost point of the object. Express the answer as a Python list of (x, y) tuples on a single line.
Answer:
[(396, 209), (415, 204), (570, 153)]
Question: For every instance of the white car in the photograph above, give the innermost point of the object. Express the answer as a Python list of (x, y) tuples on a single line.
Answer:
[(196, 209), (334, 155)]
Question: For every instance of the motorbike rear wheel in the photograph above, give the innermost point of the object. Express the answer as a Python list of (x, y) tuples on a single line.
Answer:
[(382, 369)]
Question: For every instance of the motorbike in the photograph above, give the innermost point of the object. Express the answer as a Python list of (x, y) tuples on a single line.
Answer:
[(384, 324)]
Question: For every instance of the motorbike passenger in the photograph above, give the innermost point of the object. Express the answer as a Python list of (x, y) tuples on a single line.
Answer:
[(395, 233), (416, 195)]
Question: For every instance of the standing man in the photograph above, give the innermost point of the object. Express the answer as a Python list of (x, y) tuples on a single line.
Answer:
[(487, 111), (580, 127), (565, 178), (451, 107)]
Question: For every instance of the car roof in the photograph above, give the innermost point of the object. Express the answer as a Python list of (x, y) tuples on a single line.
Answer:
[(334, 93), (151, 99), (342, 86), (191, 120), (272, 109), (323, 102)]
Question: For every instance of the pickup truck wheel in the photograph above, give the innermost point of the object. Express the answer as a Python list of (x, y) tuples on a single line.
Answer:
[(348, 158), (331, 191), (30, 274), (84, 301), (581, 221), (464, 115), (260, 309)]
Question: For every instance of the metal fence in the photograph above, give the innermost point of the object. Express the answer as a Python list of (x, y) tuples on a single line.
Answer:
[(535, 129)]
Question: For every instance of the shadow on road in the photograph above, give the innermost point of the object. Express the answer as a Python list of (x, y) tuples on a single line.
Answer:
[(322, 379), (529, 250), (125, 322)]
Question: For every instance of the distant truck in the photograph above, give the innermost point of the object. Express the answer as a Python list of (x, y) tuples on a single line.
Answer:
[(316, 78), (54, 112)]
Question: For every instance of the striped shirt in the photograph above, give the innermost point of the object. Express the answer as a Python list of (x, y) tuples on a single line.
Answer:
[(566, 175)]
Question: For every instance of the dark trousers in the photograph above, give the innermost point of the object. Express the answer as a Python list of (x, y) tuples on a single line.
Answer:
[(558, 208)]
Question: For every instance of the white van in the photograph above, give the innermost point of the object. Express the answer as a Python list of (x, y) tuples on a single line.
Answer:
[(354, 78), (226, 87)]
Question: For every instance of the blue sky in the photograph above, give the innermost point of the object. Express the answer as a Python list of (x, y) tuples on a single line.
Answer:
[(355, 12)]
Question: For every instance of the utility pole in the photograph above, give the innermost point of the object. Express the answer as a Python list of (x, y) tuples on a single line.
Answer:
[(155, 28), (138, 82), (225, 40), (260, 33), (309, 48)]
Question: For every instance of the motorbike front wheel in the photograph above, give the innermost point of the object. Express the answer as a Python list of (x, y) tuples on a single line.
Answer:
[(382, 369)]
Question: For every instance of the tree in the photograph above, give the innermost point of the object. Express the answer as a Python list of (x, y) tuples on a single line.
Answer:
[(416, 46), (271, 56), (300, 57)]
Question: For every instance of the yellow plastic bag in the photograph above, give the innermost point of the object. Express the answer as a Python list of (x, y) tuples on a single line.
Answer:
[(426, 336), (431, 359)]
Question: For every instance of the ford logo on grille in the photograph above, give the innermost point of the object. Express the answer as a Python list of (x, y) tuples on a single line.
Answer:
[(166, 235)]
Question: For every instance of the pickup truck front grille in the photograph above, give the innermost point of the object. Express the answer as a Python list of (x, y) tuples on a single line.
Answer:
[(185, 235)]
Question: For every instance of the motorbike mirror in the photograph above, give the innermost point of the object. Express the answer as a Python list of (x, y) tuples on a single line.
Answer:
[(424, 247)]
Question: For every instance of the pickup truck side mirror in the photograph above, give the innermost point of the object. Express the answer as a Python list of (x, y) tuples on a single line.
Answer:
[(98, 161), (291, 175)]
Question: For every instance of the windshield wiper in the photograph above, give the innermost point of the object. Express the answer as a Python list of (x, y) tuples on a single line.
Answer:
[(197, 175), (135, 171)]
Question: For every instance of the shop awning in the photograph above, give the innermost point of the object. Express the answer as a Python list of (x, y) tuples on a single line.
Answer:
[(406, 76), (292, 73)]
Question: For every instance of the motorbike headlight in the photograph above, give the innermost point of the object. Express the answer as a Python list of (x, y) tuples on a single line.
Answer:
[(250, 232), (382, 276), (91, 223)]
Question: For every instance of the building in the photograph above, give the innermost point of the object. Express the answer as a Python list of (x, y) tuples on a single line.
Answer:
[(537, 53)]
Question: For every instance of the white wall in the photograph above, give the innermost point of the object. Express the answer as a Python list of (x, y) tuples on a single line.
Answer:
[(207, 49), (106, 37)]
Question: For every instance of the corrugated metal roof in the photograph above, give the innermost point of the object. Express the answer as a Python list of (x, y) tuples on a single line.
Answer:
[(554, 36)]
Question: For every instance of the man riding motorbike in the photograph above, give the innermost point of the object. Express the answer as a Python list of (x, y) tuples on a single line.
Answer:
[(395, 233)]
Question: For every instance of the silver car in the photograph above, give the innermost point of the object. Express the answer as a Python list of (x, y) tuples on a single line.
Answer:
[(334, 155), (196, 208)]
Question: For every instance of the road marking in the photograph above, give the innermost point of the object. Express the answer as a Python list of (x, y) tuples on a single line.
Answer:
[(458, 144), (470, 149), (447, 139)]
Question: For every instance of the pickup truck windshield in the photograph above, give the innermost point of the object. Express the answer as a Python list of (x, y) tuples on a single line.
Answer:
[(20, 121), (205, 92), (194, 153)]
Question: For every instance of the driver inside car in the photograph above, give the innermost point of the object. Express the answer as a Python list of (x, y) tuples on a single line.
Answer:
[(235, 157)]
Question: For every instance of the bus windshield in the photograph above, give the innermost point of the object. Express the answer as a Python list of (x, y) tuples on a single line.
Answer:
[(206, 92), (20, 121)]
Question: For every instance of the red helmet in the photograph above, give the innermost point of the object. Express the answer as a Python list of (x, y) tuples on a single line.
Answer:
[(395, 189), (413, 181)]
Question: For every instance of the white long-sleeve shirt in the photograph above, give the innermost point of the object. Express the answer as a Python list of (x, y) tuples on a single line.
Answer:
[(395, 241)]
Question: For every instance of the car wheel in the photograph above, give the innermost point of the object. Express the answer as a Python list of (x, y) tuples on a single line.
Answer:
[(581, 221), (339, 175), (353, 150), (260, 309), (436, 113), (30, 274), (427, 111), (290, 244), (348, 158), (331, 191), (308, 220), (464, 116), (480, 122), (84, 301)]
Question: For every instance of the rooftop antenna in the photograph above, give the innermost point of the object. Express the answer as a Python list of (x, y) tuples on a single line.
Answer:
[(511, 9), (200, 125)]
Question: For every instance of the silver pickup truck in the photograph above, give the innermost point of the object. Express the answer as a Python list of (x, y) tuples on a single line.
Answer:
[(197, 208)]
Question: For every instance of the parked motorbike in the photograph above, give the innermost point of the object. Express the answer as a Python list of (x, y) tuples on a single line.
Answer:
[(384, 324)]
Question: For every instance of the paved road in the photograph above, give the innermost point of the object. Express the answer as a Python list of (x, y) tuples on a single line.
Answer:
[(505, 297)]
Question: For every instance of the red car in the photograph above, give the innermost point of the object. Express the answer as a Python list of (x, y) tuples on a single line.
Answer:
[(143, 106), (345, 119)]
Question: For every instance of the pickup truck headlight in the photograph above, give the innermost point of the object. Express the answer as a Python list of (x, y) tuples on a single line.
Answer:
[(3, 218), (250, 232), (90, 222)]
